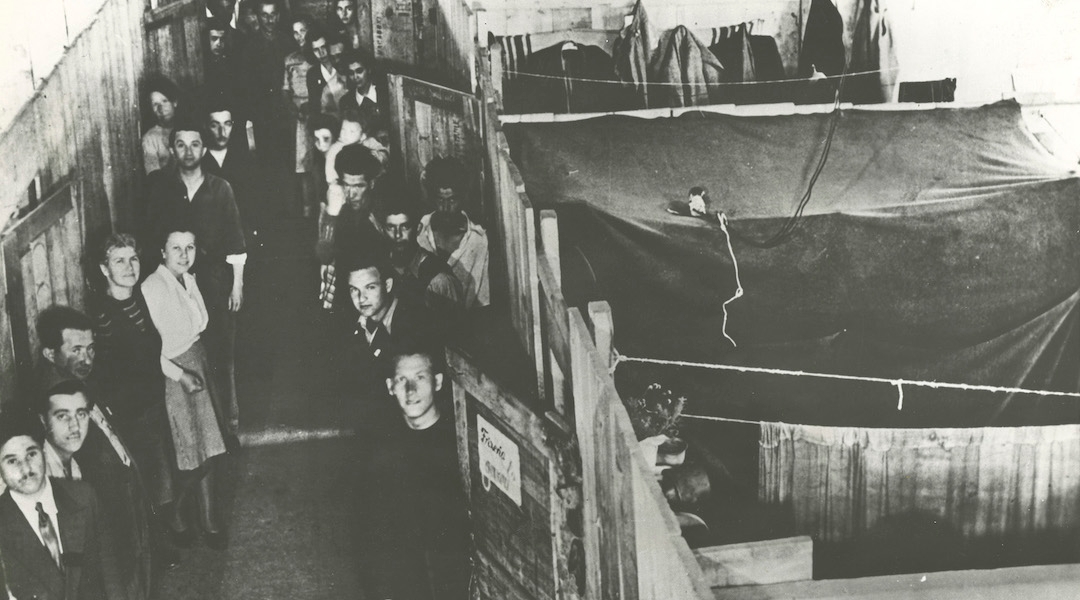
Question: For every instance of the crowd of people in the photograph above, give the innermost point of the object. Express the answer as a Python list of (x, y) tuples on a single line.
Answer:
[(112, 466)]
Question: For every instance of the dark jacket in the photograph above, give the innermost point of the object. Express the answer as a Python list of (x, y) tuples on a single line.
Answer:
[(89, 562), (363, 373), (579, 78), (315, 84), (213, 214), (127, 512), (241, 172)]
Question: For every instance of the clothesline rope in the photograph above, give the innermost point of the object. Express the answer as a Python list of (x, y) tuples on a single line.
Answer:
[(680, 84), (620, 358)]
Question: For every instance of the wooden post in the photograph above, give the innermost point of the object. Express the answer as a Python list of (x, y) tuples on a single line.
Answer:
[(549, 241), (461, 421), (585, 409), (603, 329)]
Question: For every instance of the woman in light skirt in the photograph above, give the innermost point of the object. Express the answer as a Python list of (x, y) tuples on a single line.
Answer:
[(179, 314)]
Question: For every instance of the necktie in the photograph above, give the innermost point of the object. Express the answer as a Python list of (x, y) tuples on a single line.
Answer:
[(114, 440), (48, 535)]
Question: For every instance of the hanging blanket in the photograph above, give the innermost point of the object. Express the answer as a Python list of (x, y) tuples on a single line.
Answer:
[(843, 482)]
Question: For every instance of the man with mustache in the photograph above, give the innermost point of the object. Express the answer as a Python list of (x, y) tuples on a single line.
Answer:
[(52, 536)]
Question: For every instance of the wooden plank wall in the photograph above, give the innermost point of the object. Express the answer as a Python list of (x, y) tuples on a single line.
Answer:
[(82, 126), (514, 231), (42, 266), (450, 41), (517, 547), (174, 41), (434, 121), (633, 545)]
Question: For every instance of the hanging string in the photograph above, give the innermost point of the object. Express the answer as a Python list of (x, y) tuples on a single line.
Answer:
[(722, 219), (619, 358)]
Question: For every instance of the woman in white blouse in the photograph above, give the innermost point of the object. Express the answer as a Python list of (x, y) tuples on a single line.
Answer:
[(179, 314)]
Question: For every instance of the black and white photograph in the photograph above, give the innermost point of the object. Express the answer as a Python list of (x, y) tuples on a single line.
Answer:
[(539, 299)]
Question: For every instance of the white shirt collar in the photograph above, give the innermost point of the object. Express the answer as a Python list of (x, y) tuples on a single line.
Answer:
[(328, 74), (387, 320), (54, 465), (219, 155), (371, 94), (28, 504)]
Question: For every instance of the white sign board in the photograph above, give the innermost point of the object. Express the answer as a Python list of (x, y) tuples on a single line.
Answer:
[(500, 463)]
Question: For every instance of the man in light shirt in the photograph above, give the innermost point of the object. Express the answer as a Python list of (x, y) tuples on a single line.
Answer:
[(52, 537)]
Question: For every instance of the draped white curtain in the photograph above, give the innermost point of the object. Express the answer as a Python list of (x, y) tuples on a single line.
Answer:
[(840, 481)]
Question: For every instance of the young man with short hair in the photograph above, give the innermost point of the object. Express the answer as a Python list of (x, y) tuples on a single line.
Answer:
[(228, 157), (375, 321), (422, 276), (345, 20), (76, 450), (263, 63), (65, 414), (415, 528), (52, 535), (346, 227)]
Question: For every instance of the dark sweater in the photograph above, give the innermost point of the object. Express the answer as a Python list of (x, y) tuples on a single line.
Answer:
[(127, 367), (415, 530)]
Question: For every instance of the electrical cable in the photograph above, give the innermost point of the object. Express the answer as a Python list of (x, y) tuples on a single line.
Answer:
[(795, 220)]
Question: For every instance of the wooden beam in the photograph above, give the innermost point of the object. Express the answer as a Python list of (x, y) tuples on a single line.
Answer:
[(1043, 582), (549, 242), (758, 563), (603, 329)]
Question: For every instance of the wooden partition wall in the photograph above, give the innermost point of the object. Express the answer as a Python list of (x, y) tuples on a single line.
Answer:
[(628, 539), (71, 158), (174, 40)]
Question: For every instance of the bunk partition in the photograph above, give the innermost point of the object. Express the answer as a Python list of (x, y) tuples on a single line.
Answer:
[(434, 121)]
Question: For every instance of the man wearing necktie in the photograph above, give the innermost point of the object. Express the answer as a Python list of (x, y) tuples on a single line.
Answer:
[(98, 453), (52, 538)]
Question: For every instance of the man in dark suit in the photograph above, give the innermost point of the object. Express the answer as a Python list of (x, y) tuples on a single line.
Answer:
[(228, 157), (53, 540), (326, 49), (75, 449)]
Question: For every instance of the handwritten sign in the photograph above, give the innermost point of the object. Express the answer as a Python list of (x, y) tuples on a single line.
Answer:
[(499, 461)]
